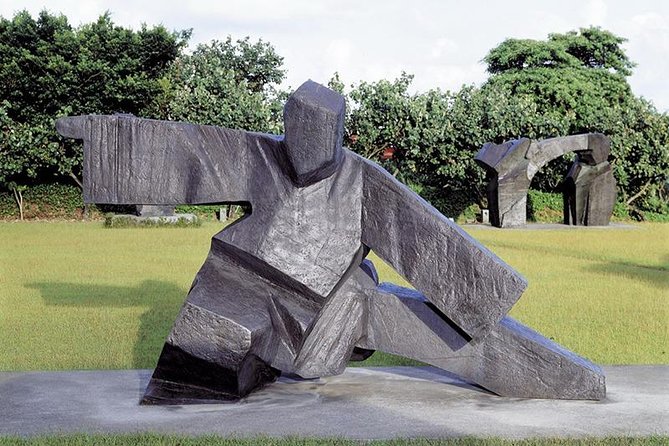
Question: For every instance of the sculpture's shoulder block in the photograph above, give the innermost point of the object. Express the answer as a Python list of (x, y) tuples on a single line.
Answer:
[(469, 284)]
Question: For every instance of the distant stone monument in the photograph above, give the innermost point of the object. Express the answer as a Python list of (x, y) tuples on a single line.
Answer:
[(287, 289), (144, 210), (589, 191)]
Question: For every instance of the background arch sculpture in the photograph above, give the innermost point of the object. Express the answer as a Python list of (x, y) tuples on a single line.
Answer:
[(589, 190), (287, 289)]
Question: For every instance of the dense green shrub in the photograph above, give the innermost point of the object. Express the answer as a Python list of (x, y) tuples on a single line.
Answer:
[(44, 201), (128, 221), (544, 207), (471, 214), (50, 69), (204, 211)]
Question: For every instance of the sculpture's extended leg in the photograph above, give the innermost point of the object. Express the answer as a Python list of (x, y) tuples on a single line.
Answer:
[(234, 332), (511, 361)]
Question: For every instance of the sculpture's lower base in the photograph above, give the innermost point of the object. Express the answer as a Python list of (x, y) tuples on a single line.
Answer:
[(181, 378)]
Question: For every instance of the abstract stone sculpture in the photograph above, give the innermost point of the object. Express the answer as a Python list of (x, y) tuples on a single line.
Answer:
[(287, 288), (589, 190)]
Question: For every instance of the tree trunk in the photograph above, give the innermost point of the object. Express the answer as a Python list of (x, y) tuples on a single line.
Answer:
[(81, 186), (18, 196), (638, 194), (76, 180)]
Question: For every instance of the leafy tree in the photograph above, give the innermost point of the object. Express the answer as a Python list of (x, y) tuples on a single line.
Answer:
[(25, 152), (435, 135), (50, 69), (380, 119), (97, 68), (640, 137), (596, 48), (231, 84), (588, 48)]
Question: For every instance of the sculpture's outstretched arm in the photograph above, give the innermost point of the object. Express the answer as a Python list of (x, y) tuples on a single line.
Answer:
[(467, 283), (129, 160)]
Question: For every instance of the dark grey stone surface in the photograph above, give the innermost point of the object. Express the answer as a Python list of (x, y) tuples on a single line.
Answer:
[(589, 193), (507, 168), (467, 283), (314, 125), (589, 190), (286, 289), (513, 360)]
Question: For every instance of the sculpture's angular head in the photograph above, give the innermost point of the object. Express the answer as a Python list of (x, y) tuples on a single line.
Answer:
[(314, 129)]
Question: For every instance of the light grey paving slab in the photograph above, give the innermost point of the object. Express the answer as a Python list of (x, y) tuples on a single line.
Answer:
[(361, 403)]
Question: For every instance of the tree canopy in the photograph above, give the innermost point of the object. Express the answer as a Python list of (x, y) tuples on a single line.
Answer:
[(588, 48), (569, 83), (50, 69), (230, 84)]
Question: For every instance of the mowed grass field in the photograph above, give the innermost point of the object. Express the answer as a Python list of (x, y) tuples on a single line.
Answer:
[(75, 295)]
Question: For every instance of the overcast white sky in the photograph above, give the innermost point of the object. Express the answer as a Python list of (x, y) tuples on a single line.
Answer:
[(440, 42)]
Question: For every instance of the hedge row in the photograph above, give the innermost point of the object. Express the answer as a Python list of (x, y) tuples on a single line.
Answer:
[(58, 201), (44, 201), (61, 201)]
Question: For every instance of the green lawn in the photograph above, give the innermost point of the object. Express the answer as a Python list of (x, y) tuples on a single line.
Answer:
[(75, 295)]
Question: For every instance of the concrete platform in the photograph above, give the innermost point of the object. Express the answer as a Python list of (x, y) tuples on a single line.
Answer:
[(363, 403)]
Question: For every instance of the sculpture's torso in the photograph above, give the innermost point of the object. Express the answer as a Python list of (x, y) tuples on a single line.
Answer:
[(312, 233)]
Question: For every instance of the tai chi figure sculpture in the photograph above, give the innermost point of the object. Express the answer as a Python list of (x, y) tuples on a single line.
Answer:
[(287, 288)]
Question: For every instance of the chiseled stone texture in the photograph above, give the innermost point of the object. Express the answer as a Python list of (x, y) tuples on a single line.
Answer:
[(511, 166), (287, 289), (589, 194)]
